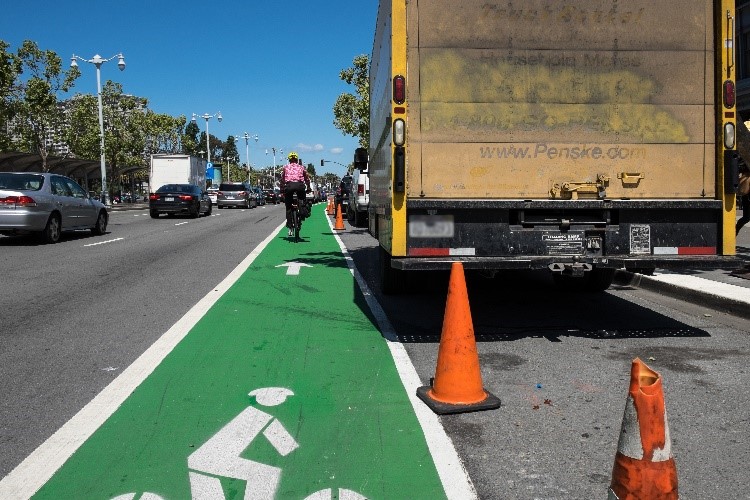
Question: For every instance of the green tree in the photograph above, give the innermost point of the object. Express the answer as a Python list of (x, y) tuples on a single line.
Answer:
[(130, 134), (190, 144), (216, 145), (39, 117), (230, 148), (352, 112), (10, 68), (164, 133)]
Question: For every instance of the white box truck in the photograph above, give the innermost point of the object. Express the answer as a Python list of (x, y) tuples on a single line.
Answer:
[(176, 169)]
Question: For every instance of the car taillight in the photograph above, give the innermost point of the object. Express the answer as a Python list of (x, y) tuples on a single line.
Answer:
[(22, 201), (153, 196), (185, 197)]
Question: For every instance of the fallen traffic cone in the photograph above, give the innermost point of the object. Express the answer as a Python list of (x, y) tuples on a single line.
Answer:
[(457, 386), (339, 219), (644, 466)]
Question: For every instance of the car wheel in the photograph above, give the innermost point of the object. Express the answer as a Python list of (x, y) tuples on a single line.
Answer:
[(210, 209), (52, 230), (195, 211), (154, 214), (101, 223)]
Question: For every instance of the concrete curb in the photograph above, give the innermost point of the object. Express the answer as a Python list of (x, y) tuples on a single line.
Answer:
[(720, 296)]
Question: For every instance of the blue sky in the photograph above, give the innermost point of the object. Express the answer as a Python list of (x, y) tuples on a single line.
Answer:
[(270, 67)]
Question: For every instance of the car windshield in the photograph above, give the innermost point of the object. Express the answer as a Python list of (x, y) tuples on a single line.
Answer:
[(175, 188), (232, 187), (21, 182)]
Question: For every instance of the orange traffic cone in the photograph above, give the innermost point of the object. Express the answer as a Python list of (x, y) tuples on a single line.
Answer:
[(644, 466), (330, 208), (339, 219), (457, 386)]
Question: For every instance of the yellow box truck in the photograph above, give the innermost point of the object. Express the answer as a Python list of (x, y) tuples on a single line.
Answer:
[(579, 136)]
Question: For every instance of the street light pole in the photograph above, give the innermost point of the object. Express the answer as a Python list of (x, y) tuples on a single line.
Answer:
[(207, 117), (247, 136), (97, 61)]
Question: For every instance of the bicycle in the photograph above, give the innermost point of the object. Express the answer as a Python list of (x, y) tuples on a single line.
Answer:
[(296, 217)]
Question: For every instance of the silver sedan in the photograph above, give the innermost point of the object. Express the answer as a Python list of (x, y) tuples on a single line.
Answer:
[(47, 204)]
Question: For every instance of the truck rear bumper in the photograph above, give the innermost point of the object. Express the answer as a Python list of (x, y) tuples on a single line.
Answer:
[(545, 262), (539, 234)]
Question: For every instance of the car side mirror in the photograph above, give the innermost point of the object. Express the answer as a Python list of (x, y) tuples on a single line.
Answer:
[(360, 159)]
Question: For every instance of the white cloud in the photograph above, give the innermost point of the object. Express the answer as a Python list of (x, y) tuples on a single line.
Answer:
[(337, 151), (306, 148)]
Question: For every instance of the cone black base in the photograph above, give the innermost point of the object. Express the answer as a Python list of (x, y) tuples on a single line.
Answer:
[(489, 403)]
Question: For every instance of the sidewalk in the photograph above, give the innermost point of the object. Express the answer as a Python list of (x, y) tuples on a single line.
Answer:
[(719, 289)]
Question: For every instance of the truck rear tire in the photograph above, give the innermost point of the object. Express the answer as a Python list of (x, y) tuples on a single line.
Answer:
[(392, 281)]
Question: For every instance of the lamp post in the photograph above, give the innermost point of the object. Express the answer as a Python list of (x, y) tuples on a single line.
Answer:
[(207, 117), (97, 61), (247, 136), (281, 152)]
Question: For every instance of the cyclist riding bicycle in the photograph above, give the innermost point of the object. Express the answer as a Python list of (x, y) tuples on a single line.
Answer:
[(294, 178)]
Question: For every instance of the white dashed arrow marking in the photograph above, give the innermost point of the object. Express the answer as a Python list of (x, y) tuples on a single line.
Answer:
[(292, 268)]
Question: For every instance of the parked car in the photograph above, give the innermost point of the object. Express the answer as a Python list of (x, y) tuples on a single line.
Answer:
[(235, 194), (47, 204), (213, 193), (359, 199), (260, 196), (172, 199), (271, 196)]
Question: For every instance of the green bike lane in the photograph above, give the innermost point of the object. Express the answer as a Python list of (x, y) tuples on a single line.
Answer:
[(284, 388)]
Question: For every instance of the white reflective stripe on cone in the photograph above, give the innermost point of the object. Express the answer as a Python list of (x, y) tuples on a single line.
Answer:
[(630, 443)]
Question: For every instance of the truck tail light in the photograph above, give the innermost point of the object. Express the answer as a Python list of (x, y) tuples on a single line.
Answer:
[(729, 135), (729, 94), (360, 189), (399, 132), (399, 89)]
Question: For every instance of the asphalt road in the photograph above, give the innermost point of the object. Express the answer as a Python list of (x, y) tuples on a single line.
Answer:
[(74, 315), (560, 363)]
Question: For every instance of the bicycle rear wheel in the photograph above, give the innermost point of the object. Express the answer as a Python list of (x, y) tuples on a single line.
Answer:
[(295, 224)]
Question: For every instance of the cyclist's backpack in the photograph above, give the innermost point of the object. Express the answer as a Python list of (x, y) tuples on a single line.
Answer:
[(304, 210)]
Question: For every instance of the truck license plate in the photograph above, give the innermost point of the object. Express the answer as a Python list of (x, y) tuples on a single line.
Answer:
[(431, 226)]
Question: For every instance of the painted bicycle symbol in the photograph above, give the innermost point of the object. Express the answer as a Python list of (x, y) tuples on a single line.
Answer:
[(220, 456)]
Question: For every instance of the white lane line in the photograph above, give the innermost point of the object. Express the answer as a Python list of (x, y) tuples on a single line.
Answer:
[(181, 223), (453, 475), (42, 463), (103, 242)]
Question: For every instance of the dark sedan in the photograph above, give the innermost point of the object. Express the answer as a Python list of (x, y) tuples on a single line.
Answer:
[(172, 199), (271, 196)]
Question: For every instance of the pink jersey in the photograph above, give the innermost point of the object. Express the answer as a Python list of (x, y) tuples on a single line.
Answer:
[(294, 172)]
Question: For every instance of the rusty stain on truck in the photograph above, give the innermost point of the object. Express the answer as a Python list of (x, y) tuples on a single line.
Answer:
[(534, 95)]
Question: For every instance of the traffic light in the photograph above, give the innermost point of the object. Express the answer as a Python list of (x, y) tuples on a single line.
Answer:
[(322, 163)]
